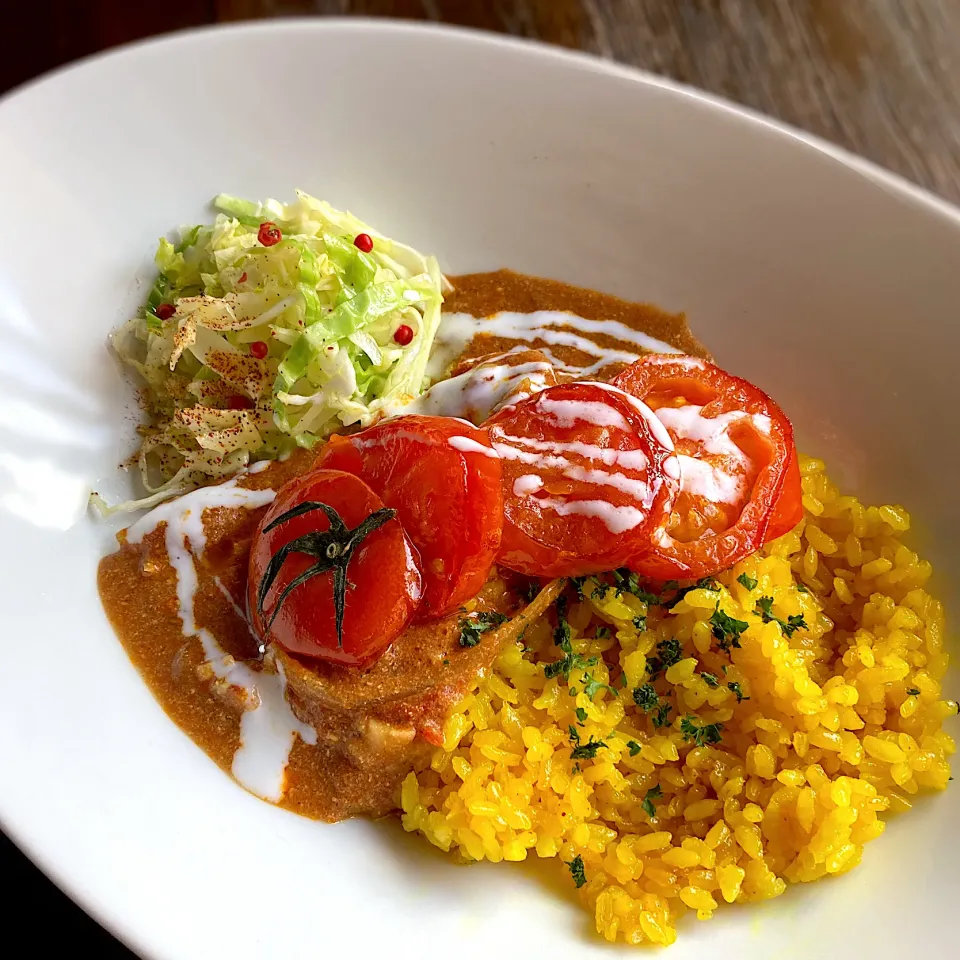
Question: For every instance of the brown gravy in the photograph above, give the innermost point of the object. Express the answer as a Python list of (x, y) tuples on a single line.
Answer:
[(485, 294), (332, 780)]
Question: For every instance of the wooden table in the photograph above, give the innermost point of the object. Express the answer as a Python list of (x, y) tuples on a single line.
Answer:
[(880, 77)]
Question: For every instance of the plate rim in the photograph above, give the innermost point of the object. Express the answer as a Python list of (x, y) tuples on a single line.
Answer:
[(872, 170), (102, 912)]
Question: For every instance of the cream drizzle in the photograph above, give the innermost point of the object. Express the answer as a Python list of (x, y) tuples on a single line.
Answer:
[(479, 391), (638, 489), (615, 519), (687, 423), (541, 454), (548, 326), (657, 427), (268, 726), (568, 412), (467, 445), (628, 459), (698, 476), (527, 484)]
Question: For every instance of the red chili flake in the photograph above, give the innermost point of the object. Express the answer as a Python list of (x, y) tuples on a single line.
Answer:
[(403, 334), (240, 402), (363, 242), (259, 349), (165, 311), (243, 277), (269, 233)]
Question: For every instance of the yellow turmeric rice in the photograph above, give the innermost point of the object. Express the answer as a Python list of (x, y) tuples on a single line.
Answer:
[(706, 746)]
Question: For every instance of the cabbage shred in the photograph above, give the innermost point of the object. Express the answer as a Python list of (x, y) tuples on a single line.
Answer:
[(327, 312)]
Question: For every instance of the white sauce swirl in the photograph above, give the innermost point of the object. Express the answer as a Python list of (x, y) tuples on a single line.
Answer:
[(268, 725), (552, 327), (467, 445), (700, 477)]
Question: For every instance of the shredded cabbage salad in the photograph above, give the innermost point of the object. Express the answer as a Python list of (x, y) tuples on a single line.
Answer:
[(252, 343)]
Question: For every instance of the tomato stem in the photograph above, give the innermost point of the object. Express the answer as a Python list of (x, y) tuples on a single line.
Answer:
[(332, 549)]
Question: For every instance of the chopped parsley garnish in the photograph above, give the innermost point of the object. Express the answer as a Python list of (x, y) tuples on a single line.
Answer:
[(726, 629), (446, 663), (803, 588), (654, 793), (591, 686), (747, 581), (586, 751), (577, 584), (570, 661), (789, 626), (599, 591), (603, 633), (531, 591), (472, 627), (576, 871), (669, 652), (581, 714), (708, 734), (583, 751), (662, 715), (710, 680), (734, 686), (640, 623), (913, 692), (633, 747), (705, 583), (561, 633), (626, 581), (646, 698)]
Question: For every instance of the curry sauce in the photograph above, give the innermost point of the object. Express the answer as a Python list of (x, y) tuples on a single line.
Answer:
[(175, 589)]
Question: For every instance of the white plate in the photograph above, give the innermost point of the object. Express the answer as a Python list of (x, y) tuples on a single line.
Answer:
[(825, 280)]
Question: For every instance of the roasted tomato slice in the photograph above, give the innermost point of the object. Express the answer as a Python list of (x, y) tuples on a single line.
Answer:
[(588, 476), (443, 478), (789, 509), (740, 480), (332, 575)]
